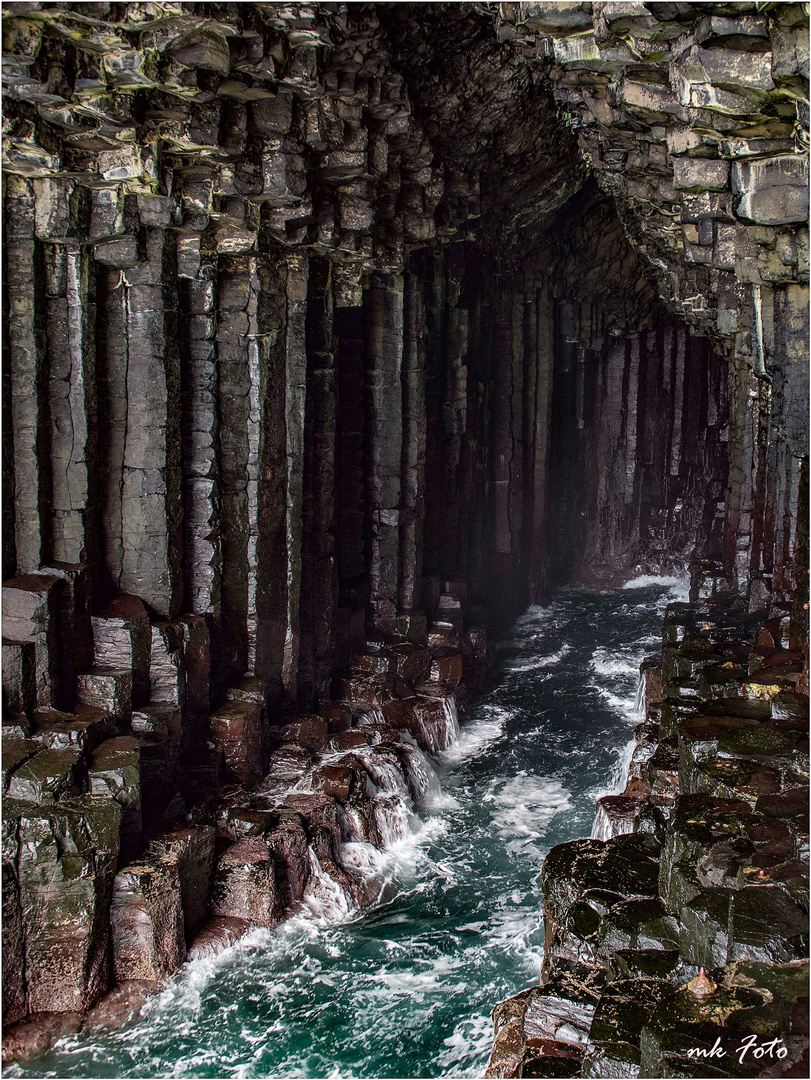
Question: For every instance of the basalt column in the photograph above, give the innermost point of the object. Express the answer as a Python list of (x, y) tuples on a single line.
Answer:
[(151, 499), (412, 498), (385, 445), (660, 485), (350, 490), (318, 580)]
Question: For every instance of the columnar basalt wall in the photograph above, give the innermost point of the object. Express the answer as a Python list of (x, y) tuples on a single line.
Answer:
[(334, 335)]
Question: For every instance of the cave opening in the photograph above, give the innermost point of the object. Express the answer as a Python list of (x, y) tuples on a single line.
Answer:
[(342, 341)]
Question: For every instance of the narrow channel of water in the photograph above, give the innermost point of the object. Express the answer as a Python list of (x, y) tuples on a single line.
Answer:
[(406, 989)]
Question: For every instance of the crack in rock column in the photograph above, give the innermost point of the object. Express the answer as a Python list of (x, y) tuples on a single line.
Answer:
[(271, 517), (70, 319), (197, 270), (318, 587), (295, 401), (501, 562), (235, 409), (540, 335)]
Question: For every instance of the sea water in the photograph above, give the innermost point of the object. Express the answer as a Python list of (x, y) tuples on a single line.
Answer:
[(406, 989)]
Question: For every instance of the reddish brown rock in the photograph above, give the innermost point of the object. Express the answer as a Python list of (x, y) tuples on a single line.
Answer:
[(348, 740), (147, 920), (361, 691), (115, 770), (216, 934), (338, 779), (289, 845), (446, 670), (120, 1006), (338, 716), (308, 731), (412, 663), (236, 729), (192, 848), (65, 858), (37, 1033), (244, 884)]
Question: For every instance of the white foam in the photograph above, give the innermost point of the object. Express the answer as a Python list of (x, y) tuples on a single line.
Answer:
[(510, 931), (525, 805), (476, 735), (613, 664), (640, 700), (605, 827), (474, 1036), (618, 777), (366, 862), (675, 584), (519, 665), (423, 781), (324, 898), (392, 817), (622, 705), (386, 775)]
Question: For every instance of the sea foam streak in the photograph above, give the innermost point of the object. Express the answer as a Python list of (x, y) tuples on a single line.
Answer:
[(526, 804), (644, 581)]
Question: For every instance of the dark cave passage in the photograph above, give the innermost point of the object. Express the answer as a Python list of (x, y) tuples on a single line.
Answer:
[(336, 337)]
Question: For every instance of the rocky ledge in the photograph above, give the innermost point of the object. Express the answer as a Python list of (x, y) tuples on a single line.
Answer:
[(140, 830), (676, 938)]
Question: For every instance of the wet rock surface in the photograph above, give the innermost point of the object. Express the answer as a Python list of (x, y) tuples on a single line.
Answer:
[(676, 943), (318, 320)]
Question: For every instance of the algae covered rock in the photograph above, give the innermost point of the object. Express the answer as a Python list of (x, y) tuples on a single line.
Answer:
[(626, 865), (625, 1006), (65, 862)]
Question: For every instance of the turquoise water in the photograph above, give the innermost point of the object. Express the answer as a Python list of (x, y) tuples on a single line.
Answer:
[(406, 989)]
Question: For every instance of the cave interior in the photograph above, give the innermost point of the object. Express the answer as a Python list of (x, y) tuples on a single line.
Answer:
[(335, 333)]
